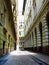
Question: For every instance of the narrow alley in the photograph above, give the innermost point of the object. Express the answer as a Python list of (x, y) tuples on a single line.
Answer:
[(24, 32)]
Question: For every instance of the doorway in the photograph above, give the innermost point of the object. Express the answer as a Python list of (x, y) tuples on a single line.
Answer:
[(40, 29), (36, 38), (3, 47)]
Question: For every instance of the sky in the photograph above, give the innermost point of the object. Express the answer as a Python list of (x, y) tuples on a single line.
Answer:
[(20, 6)]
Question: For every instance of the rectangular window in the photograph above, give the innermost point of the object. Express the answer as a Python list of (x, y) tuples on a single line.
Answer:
[(21, 33)]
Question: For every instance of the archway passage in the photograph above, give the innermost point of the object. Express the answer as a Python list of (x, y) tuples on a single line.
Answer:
[(14, 46), (33, 40), (47, 19), (3, 47), (40, 29), (36, 38), (4, 42)]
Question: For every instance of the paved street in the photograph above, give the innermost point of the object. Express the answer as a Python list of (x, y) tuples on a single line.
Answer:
[(23, 58)]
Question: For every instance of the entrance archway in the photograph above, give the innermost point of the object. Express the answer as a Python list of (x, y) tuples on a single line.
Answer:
[(40, 29), (33, 39), (3, 47), (36, 38), (4, 41)]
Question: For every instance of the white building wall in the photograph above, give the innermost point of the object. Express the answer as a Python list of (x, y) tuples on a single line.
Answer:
[(29, 6), (38, 4)]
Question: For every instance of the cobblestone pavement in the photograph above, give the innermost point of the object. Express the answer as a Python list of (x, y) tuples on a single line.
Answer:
[(22, 58)]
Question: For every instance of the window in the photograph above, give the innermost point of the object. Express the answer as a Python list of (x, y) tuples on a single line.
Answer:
[(21, 33), (34, 3), (30, 13), (44, 1), (34, 7), (21, 23), (21, 26)]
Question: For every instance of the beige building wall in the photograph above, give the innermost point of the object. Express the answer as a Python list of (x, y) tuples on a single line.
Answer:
[(36, 26), (7, 36)]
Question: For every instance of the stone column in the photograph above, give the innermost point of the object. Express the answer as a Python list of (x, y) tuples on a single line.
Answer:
[(31, 40), (45, 34), (34, 39), (38, 38)]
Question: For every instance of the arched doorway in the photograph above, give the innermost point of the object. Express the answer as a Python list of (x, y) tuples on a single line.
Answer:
[(36, 38), (47, 19), (3, 47), (4, 41), (33, 40), (15, 46), (40, 29)]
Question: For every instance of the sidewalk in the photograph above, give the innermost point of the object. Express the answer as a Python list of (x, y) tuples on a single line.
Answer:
[(3, 59)]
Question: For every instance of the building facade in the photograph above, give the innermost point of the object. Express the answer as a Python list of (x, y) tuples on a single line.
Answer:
[(36, 17), (21, 31), (7, 28), (14, 11)]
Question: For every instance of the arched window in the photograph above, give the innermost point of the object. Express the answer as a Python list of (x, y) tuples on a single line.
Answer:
[(34, 7)]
